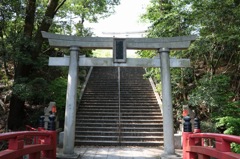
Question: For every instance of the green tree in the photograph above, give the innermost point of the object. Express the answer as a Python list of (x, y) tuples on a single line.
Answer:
[(213, 79), (211, 97), (22, 43), (216, 55)]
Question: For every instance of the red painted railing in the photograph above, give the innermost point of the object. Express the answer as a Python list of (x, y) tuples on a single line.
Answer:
[(194, 147), (43, 145)]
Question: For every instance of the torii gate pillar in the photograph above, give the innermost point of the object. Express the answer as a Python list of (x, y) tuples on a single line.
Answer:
[(71, 103), (168, 132)]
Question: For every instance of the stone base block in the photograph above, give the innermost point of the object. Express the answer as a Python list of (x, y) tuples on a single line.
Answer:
[(64, 156)]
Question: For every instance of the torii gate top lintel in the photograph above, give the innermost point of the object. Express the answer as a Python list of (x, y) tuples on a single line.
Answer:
[(66, 41)]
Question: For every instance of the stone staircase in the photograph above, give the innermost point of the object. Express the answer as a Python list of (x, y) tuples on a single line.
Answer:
[(118, 110)]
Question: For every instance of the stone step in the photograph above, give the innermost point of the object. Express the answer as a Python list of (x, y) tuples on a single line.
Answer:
[(123, 129), (116, 138), (98, 113), (141, 138), (107, 110), (84, 124), (140, 129), (116, 116), (127, 113), (133, 102), (139, 143), (101, 84), (103, 97), (85, 109), (117, 143), (123, 105), (139, 107), (137, 96), (96, 143), (113, 94), (101, 92), (116, 106), (85, 128), (133, 87), (123, 121), (116, 113), (114, 133), (97, 120), (107, 93), (97, 107), (141, 117), (122, 102), (129, 97), (97, 138), (129, 89), (136, 104), (99, 101), (113, 90), (100, 104), (122, 97), (141, 121), (105, 124), (96, 117), (141, 125)]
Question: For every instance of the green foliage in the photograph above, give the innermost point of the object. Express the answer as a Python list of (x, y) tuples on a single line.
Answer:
[(73, 14), (235, 147), (147, 53), (4, 79), (212, 95), (92, 10), (230, 124), (211, 85), (102, 53), (154, 73), (35, 91), (22, 45), (58, 89), (208, 127), (168, 18)]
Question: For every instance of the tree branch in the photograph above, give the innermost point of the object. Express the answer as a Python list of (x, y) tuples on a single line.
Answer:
[(45, 25), (29, 19), (59, 6), (230, 59)]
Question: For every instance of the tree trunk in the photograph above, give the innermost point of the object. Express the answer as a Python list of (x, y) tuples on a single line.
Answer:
[(16, 114)]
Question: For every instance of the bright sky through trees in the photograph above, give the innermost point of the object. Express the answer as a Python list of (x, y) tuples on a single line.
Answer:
[(125, 19)]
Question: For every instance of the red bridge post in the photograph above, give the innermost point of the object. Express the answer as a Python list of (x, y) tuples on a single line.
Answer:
[(187, 142), (197, 128)]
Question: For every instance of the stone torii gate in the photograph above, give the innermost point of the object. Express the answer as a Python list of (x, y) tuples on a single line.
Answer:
[(119, 46)]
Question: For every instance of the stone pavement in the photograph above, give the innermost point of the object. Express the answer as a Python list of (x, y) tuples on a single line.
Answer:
[(120, 152)]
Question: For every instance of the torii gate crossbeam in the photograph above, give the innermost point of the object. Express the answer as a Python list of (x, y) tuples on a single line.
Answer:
[(163, 45)]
